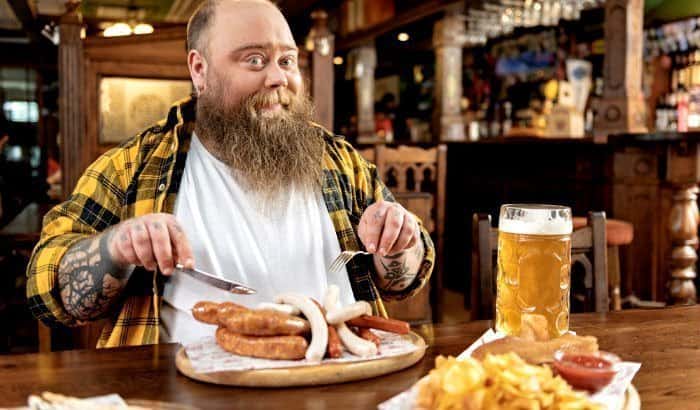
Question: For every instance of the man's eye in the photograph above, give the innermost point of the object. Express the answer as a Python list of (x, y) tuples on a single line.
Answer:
[(256, 60), (287, 61)]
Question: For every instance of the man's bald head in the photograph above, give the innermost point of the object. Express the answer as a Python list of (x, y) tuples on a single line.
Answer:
[(203, 18)]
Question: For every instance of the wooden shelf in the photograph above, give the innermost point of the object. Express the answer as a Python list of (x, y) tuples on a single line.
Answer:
[(428, 8)]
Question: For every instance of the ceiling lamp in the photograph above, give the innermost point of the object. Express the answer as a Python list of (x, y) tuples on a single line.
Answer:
[(124, 29), (117, 30), (403, 37), (143, 28)]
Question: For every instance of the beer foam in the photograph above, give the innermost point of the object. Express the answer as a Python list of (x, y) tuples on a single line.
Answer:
[(537, 225)]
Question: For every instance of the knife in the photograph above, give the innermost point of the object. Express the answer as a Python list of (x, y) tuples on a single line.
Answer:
[(212, 280)]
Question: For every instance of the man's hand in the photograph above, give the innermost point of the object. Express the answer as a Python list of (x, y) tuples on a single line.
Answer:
[(152, 241), (93, 272), (392, 234), (386, 228)]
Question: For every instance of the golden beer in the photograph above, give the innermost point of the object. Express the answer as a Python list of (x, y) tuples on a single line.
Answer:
[(534, 268)]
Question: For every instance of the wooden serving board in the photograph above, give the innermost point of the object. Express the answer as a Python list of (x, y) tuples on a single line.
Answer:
[(324, 373)]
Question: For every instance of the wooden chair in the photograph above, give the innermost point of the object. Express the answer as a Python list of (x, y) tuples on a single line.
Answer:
[(416, 177), (617, 233), (588, 248)]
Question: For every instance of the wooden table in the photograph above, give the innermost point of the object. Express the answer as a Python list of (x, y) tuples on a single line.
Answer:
[(666, 342)]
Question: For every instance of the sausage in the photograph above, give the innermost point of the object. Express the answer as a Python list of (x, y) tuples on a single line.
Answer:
[(335, 347), (279, 307), (345, 313), (210, 312), (367, 334), (272, 347), (264, 323), (381, 323), (319, 327), (229, 308), (330, 298), (206, 312), (354, 344)]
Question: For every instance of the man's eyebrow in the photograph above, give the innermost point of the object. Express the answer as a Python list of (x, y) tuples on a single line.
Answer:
[(265, 46)]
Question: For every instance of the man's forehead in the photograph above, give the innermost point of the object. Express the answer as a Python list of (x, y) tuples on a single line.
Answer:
[(247, 24)]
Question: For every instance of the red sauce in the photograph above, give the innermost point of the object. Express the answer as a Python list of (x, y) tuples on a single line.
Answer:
[(585, 372)]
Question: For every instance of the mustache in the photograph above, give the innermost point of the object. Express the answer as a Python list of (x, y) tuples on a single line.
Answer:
[(263, 99)]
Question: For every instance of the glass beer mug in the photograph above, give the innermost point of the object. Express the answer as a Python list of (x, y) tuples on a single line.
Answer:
[(534, 268)]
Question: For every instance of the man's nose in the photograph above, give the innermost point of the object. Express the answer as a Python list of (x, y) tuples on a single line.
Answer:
[(275, 77)]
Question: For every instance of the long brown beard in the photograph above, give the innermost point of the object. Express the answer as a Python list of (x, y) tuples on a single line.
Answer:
[(270, 153)]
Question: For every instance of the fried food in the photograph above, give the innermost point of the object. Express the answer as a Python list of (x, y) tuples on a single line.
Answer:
[(499, 382), (534, 327), (268, 347), (535, 352)]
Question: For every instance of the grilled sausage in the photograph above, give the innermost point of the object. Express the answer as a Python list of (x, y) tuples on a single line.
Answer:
[(264, 323), (270, 347), (210, 312)]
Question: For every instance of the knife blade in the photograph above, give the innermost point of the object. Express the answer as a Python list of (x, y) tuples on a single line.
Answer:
[(217, 282)]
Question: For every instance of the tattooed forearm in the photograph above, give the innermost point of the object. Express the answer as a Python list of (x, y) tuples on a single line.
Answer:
[(89, 280), (397, 272)]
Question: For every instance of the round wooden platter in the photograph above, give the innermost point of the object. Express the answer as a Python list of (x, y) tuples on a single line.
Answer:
[(314, 375)]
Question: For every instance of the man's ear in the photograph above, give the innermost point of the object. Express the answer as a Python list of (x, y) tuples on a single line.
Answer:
[(198, 70)]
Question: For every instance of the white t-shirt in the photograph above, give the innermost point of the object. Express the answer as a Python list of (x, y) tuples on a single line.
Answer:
[(286, 250)]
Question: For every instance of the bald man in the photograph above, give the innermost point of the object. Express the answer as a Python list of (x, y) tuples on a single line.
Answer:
[(237, 181)]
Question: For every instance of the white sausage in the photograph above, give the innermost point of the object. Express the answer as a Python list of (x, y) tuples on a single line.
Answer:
[(330, 298), (339, 315), (319, 328), (279, 307), (354, 343)]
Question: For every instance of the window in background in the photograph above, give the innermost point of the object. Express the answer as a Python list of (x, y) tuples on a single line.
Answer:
[(21, 111)]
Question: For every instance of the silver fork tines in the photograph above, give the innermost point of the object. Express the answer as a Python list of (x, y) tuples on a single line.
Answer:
[(343, 259)]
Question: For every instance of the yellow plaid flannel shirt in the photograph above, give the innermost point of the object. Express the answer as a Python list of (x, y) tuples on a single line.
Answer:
[(142, 176)]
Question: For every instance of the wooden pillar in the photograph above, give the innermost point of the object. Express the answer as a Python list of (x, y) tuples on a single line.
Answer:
[(622, 109), (684, 237), (363, 63), (71, 110), (320, 43), (683, 173), (448, 40)]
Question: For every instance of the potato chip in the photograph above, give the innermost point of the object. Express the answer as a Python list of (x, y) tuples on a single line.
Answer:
[(499, 382)]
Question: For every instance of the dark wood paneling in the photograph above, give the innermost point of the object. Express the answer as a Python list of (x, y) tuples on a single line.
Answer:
[(483, 176)]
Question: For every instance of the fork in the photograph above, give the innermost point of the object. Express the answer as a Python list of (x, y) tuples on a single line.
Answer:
[(343, 259)]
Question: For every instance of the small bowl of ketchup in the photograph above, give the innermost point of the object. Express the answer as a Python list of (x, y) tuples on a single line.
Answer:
[(585, 371)]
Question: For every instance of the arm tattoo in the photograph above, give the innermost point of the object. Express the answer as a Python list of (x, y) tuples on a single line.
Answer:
[(397, 272), (89, 280)]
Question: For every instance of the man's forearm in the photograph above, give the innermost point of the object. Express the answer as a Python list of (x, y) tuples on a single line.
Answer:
[(396, 272), (89, 281)]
